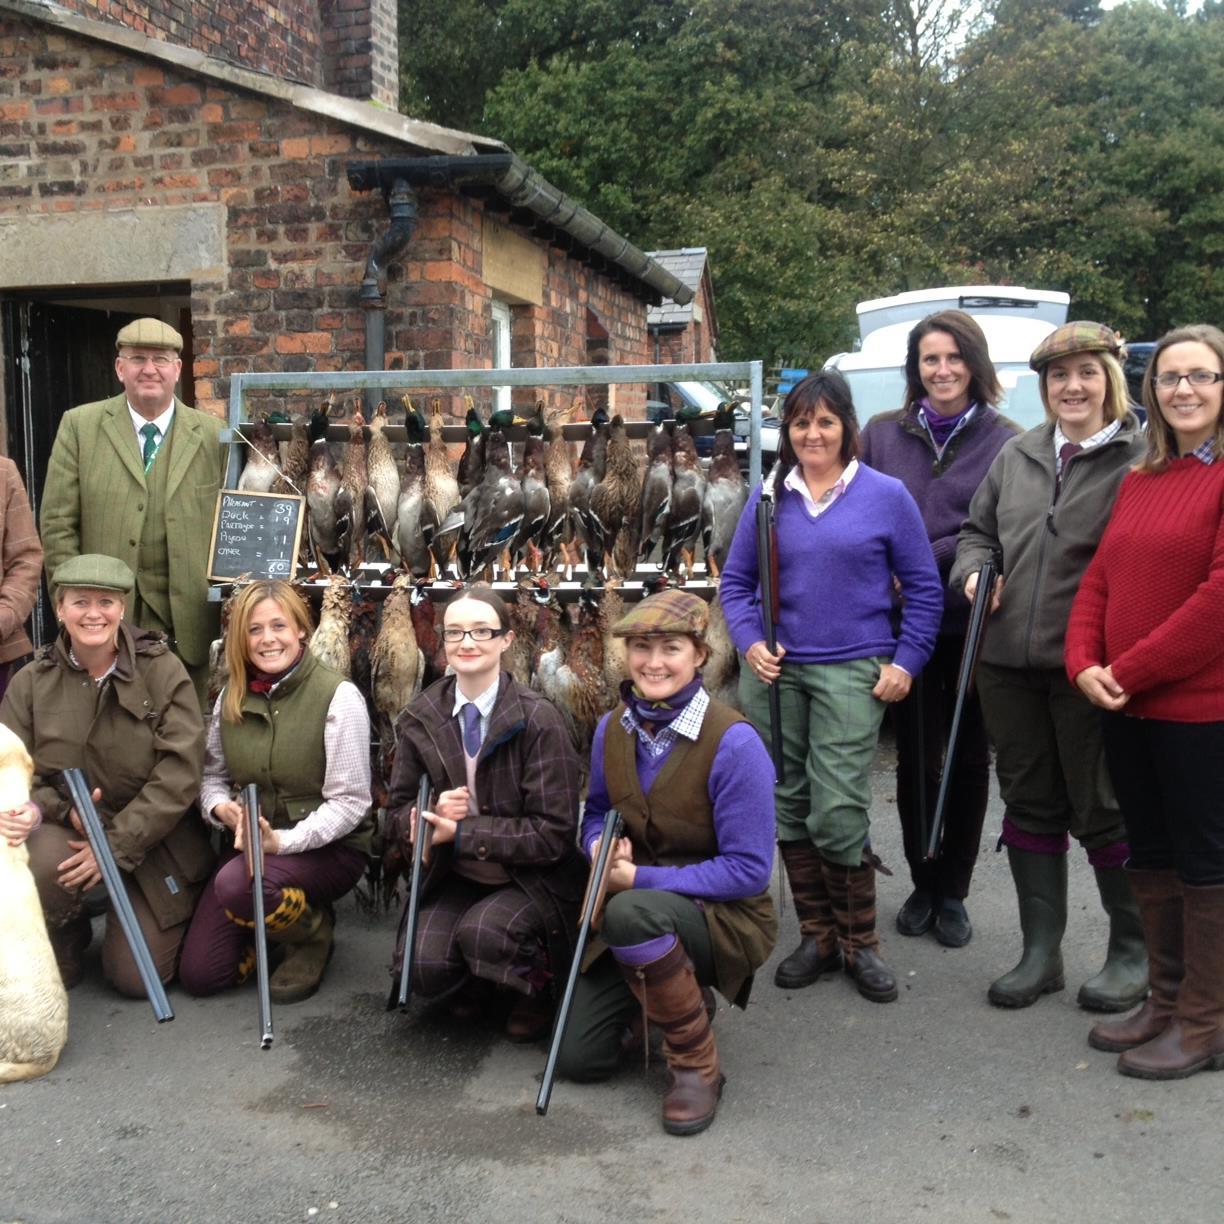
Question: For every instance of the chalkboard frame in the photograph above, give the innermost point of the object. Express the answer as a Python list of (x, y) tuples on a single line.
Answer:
[(215, 573)]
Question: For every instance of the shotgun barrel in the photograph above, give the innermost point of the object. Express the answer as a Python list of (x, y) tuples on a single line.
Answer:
[(597, 886), (978, 615), (420, 848), (253, 851), (767, 561), (82, 800)]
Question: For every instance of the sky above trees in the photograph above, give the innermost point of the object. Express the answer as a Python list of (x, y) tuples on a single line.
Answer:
[(834, 152)]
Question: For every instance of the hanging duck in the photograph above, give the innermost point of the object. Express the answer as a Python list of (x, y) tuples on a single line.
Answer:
[(592, 463), (615, 504), (441, 491), (262, 466), (559, 472), (492, 512), (382, 484), (471, 462), (350, 500), (295, 457), (533, 480), (322, 486), (683, 526), (411, 540), (656, 491), (726, 493)]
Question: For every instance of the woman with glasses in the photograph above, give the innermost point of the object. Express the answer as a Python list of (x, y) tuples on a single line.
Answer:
[(301, 731), (503, 878), (1042, 508), (1144, 644)]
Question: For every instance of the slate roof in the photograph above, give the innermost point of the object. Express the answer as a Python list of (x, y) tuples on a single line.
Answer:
[(686, 265)]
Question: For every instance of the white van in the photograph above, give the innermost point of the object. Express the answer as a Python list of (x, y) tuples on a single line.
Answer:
[(1015, 320)]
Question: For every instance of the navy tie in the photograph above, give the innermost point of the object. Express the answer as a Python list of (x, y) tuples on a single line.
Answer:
[(471, 729)]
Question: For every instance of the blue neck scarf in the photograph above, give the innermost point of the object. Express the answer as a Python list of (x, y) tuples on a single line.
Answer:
[(659, 713)]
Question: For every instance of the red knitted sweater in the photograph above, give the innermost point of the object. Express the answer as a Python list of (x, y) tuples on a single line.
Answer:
[(1151, 604)]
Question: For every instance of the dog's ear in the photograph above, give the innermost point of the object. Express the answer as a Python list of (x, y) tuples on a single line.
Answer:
[(16, 770)]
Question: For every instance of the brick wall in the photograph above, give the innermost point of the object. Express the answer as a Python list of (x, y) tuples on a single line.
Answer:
[(85, 128), (344, 46)]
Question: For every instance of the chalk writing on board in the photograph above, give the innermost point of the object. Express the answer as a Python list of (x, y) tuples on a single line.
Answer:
[(255, 534)]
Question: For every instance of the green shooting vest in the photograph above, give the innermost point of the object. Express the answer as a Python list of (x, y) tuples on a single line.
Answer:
[(279, 745)]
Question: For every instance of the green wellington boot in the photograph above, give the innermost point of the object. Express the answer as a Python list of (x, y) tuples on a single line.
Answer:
[(1041, 890), (1123, 980)]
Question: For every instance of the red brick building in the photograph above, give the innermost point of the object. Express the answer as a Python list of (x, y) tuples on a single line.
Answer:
[(236, 167)]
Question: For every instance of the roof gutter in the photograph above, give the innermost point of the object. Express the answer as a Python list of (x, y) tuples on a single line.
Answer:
[(521, 187)]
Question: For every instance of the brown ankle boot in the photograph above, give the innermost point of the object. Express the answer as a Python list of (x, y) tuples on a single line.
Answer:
[(671, 998), (1194, 1038), (853, 896), (69, 943), (818, 951), (1159, 897), (530, 1018)]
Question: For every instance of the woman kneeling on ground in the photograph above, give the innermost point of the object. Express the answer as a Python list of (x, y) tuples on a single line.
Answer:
[(688, 905), (503, 881), (112, 700), (302, 732)]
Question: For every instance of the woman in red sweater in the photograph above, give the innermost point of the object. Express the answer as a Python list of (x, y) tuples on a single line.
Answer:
[(1144, 644)]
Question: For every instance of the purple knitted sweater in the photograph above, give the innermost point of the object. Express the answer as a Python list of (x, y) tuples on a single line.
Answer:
[(897, 444), (835, 577), (741, 792)]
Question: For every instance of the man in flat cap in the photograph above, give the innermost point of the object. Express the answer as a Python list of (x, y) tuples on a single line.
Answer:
[(136, 477)]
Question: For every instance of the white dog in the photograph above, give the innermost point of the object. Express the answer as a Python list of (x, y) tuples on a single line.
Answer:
[(33, 1002)]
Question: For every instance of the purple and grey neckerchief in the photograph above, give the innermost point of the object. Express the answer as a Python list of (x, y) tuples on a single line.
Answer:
[(943, 428)]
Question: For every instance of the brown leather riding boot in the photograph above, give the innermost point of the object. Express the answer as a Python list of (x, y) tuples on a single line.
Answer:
[(1159, 897), (853, 896), (671, 998), (818, 951), (1194, 1038)]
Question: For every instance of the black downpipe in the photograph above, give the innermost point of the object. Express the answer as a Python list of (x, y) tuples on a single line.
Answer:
[(402, 205)]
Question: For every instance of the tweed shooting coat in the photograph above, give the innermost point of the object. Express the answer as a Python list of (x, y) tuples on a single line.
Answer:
[(95, 495), (140, 740), (20, 563), (527, 782)]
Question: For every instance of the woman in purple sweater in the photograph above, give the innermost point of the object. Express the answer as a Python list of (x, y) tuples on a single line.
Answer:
[(688, 904), (940, 446), (844, 535)]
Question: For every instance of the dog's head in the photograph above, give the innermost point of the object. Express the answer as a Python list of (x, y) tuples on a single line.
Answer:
[(16, 771)]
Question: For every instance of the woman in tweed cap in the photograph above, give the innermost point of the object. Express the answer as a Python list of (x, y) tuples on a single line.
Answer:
[(688, 906), (1042, 507)]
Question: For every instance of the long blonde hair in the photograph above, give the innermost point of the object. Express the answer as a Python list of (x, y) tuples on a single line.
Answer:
[(236, 660), (1162, 446)]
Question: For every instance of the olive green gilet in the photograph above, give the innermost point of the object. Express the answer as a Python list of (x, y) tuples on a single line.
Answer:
[(153, 571), (287, 758), (673, 825)]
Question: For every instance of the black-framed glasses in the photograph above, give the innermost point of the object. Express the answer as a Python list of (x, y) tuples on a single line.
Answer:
[(1196, 378), (482, 633)]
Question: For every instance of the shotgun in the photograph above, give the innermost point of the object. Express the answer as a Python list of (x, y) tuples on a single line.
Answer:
[(978, 614), (253, 852), (592, 903), (82, 800), (767, 561), (420, 851)]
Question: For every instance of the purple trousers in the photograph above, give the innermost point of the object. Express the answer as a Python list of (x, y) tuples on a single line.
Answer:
[(214, 947)]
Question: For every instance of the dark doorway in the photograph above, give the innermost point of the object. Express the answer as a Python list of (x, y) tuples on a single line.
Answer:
[(58, 354)]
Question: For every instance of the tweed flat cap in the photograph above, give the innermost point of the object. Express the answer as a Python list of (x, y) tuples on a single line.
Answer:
[(149, 333), (1078, 337), (96, 571), (665, 613)]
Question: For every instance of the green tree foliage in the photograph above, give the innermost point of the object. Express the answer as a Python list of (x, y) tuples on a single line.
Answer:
[(828, 153)]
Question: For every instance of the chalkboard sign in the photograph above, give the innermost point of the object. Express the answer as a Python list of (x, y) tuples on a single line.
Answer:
[(255, 534)]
